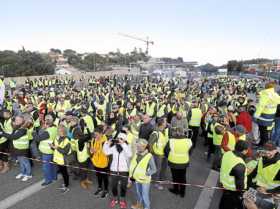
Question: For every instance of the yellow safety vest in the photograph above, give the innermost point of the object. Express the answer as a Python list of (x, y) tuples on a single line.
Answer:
[(7, 127), (44, 145), (161, 111), (22, 143), (57, 156), (138, 170), (179, 150), (83, 155), (266, 175), (89, 122), (229, 161), (150, 109), (159, 145), (217, 139), (196, 117)]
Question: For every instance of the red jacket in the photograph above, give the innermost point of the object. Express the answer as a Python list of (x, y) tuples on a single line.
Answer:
[(245, 119)]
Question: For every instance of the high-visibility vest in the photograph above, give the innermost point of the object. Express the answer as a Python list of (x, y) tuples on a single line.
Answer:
[(131, 113), (196, 117), (130, 137), (231, 141), (83, 155), (57, 156), (267, 106), (7, 127), (159, 145), (37, 121), (44, 145), (138, 170), (98, 121), (22, 143), (150, 109), (89, 122), (179, 150), (229, 161), (217, 139), (265, 176), (161, 111)]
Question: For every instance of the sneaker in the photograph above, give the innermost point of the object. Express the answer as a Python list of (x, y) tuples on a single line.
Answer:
[(98, 191), (113, 203), (26, 178), (65, 190), (123, 204), (19, 176), (104, 194), (45, 183)]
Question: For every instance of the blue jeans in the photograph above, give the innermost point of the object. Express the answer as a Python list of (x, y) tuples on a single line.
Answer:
[(25, 167), (143, 194), (275, 137), (49, 169)]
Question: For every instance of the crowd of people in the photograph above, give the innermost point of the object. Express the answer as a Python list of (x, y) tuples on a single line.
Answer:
[(132, 130)]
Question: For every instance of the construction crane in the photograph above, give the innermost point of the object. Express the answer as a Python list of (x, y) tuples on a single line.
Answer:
[(147, 41)]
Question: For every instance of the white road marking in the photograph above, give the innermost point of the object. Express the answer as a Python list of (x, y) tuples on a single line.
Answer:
[(21, 195), (206, 195)]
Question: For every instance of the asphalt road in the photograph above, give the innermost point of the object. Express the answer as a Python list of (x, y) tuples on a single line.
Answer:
[(77, 198)]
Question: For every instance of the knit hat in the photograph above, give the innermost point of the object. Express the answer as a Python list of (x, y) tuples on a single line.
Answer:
[(122, 136)]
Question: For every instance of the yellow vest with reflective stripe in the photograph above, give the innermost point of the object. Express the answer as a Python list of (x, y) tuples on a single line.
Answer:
[(22, 143), (196, 117), (138, 170), (7, 127), (159, 145), (231, 141), (179, 150), (266, 175), (229, 161), (44, 145), (57, 156)]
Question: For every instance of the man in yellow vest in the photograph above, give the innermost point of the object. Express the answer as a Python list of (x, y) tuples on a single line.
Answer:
[(142, 167), (45, 137), (20, 147), (4, 143), (266, 110), (233, 176), (195, 120), (157, 142), (177, 151)]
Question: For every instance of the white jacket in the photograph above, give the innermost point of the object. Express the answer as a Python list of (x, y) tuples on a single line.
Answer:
[(120, 161)]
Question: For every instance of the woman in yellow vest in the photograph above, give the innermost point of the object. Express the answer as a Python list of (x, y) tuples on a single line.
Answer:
[(177, 151), (62, 148), (142, 167), (100, 161)]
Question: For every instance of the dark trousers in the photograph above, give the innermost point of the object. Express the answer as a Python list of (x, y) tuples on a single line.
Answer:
[(83, 173), (264, 135), (231, 200), (179, 176), (63, 170), (4, 148), (123, 184), (195, 131), (102, 178)]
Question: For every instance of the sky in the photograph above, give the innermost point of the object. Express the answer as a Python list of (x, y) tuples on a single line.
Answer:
[(207, 31)]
